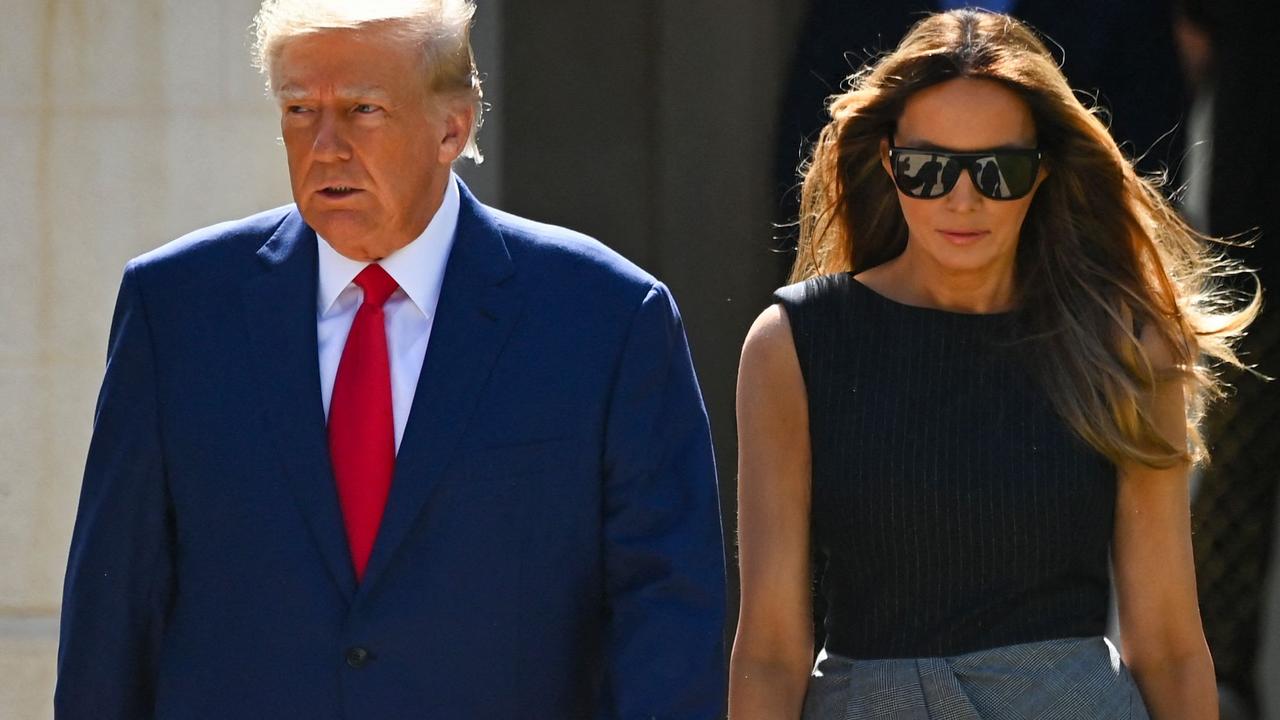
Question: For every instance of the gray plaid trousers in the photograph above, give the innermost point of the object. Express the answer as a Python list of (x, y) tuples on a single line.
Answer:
[(1072, 679)]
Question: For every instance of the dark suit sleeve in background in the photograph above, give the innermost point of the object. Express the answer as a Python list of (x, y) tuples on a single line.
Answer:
[(664, 554), (120, 571)]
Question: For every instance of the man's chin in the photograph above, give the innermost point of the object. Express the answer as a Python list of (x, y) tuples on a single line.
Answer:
[(350, 238), (359, 251)]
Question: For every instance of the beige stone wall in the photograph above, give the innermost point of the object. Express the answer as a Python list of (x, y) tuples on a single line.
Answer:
[(123, 124)]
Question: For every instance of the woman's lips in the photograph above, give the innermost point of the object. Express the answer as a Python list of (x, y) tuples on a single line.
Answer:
[(963, 237)]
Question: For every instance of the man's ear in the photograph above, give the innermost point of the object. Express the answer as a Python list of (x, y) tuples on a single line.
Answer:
[(459, 119)]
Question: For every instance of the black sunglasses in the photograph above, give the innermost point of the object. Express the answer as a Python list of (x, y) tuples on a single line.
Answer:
[(997, 174)]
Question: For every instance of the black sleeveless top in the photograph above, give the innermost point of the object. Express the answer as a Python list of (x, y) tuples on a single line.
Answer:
[(953, 509)]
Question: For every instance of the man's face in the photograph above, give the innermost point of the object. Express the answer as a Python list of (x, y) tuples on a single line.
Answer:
[(369, 148)]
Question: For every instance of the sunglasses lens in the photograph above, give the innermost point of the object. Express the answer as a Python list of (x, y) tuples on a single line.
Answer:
[(924, 174), (1005, 176), (1000, 176)]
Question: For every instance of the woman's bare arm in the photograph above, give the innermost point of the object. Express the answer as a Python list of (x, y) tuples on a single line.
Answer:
[(1161, 633), (773, 650)]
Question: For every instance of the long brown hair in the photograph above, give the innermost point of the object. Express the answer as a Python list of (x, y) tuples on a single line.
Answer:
[(1102, 253)]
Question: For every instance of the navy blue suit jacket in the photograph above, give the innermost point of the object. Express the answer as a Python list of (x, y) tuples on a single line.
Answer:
[(551, 547)]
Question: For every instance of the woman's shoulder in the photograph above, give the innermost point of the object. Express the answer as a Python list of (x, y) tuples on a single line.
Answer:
[(1160, 353), (811, 314), (770, 355), (769, 340), (815, 291)]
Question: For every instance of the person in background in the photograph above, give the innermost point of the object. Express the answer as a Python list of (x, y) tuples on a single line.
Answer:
[(1230, 189)]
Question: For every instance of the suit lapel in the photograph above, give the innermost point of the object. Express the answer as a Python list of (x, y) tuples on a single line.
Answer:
[(280, 306), (479, 305)]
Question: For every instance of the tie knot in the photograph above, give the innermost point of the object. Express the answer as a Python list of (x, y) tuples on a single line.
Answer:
[(377, 285)]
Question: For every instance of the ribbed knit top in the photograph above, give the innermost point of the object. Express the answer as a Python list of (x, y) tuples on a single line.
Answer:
[(952, 509)]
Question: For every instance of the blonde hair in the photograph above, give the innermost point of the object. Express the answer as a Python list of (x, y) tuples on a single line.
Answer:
[(440, 29), (1102, 253)]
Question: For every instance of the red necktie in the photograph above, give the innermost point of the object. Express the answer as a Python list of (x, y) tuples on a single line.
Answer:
[(362, 442)]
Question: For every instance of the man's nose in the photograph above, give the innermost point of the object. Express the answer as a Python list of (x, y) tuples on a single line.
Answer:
[(331, 139)]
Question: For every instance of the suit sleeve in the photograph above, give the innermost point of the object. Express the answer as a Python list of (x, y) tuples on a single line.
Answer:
[(664, 554), (119, 578)]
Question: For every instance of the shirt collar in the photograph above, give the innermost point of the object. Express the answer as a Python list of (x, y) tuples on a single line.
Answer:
[(418, 268)]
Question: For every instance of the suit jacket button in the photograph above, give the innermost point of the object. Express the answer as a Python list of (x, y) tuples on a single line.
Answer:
[(357, 657)]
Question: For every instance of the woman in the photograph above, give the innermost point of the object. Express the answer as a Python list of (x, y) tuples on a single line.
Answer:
[(982, 388)]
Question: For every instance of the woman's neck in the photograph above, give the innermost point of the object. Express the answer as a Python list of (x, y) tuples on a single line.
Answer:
[(915, 279)]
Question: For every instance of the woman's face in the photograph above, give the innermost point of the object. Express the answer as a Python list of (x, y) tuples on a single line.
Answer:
[(964, 231)]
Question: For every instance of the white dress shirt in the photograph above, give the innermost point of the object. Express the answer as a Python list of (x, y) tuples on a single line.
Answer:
[(410, 311)]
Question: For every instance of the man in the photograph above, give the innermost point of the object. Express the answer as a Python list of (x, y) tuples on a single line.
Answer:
[(389, 453)]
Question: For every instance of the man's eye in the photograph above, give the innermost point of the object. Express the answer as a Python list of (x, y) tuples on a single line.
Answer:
[(296, 109), (365, 109)]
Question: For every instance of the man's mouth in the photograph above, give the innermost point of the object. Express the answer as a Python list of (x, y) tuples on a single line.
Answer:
[(338, 191)]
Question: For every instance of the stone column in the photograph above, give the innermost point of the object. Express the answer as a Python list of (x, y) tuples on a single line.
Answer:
[(650, 125), (123, 124)]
